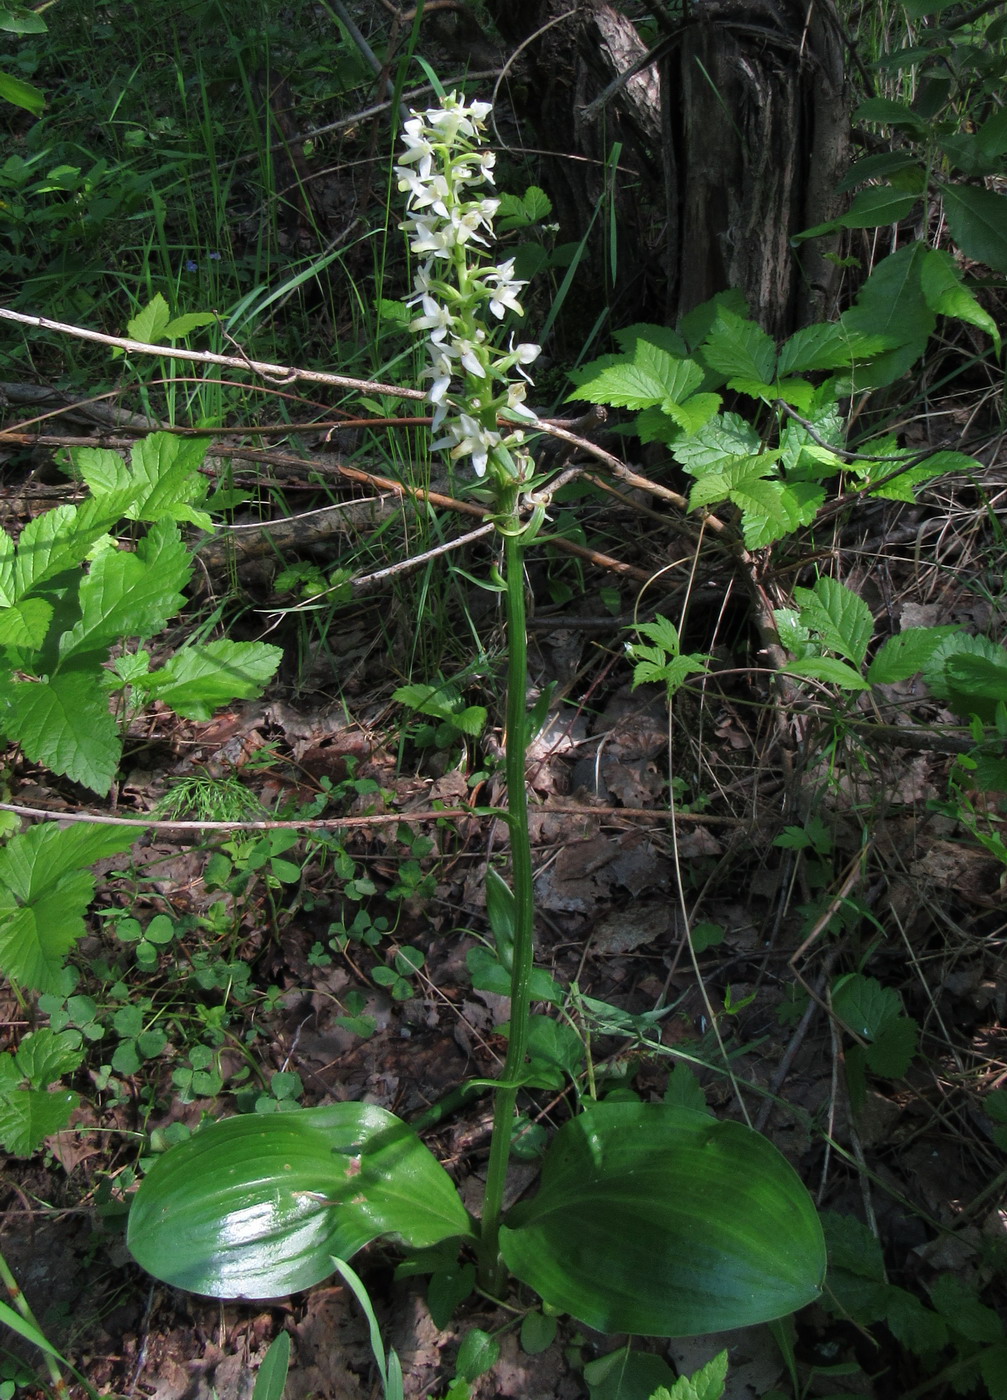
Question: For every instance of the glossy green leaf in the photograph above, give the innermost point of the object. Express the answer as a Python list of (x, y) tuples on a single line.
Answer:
[(657, 1220), (257, 1206)]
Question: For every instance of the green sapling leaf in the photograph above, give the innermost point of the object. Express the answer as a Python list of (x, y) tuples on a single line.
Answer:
[(478, 1353), (705, 1384), (198, 680), (64, 722), (865, 1005), (44, 894), (977, 218), (739, 349), (840, 617), (149, 323), (906, 654)]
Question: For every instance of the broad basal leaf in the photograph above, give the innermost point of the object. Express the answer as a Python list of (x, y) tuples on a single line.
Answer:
[(657, 1220), (198, 680), (257, 1206), (130, 594), (827, 345), (740, 349), (65, 723)]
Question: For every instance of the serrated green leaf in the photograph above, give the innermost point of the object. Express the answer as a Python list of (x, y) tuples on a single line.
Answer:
[(993, 1367), (865, 1005), (471, 720), (705, 1384), (739, 348), (60, 539), (963, 1310), (945, 293), (7, 594), (130, 594), (628, 1375), (977, 218), (873, 207), (64, 722), (661, 336), (148, 324), (840, 617), (662, 632), (886, 112), (650, 376), (828, 669), (914, 1325), (852, 1246), (727, 436), (26, 623), (891, 304), (734, 476), (691, 415), (101, 469), (190, 321), (198, 680), (34, 860), (166, 471), (893, 1048), (906, 654), (46, 1055), (29, 1116)]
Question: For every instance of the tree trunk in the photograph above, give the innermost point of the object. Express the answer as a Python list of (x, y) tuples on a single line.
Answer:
[(733, 138)]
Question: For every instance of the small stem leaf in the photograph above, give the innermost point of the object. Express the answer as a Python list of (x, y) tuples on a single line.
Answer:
[(271, 1378), (656, 1220)]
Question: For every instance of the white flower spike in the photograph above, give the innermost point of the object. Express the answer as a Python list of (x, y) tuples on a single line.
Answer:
[(447, 226)]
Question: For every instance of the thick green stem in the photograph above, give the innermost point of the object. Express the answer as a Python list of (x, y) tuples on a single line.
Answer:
[(524, 905)]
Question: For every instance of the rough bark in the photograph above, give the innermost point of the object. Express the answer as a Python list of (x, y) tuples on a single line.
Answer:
[(733, 138)]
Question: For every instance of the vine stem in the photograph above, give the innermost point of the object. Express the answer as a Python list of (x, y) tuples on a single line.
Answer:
[(491, 1273)]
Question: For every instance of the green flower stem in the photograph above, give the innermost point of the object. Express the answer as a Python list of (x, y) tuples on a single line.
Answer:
[(491, 1273), (20, 1302)]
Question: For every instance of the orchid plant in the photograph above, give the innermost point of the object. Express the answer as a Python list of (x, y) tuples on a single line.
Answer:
[(651, 1218)]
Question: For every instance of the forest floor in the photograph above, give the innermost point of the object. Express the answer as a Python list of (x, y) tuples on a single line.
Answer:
[(887, 882)]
